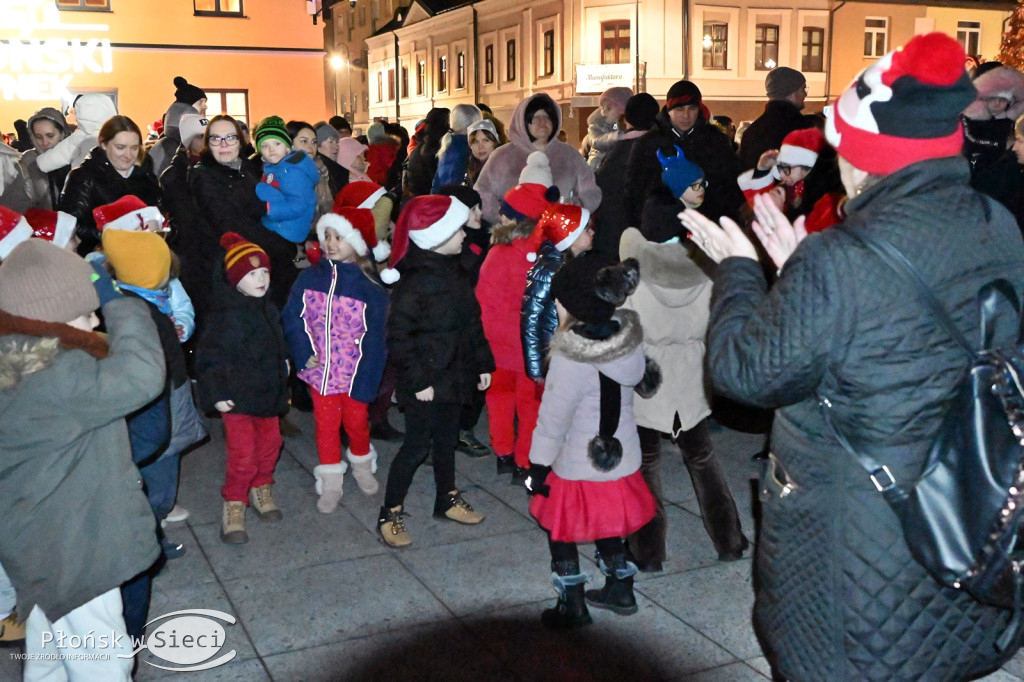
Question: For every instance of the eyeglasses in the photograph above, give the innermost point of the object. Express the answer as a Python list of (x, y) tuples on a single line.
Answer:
[(699, 185), (786, 168), (229, 140)]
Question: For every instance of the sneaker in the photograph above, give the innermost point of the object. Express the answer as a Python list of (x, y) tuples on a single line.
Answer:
[(470, 445), (172, 550), (506, 464), (177, 514), (262, 502), (391, 526), (11, 630), (454, 508), (232, 524)]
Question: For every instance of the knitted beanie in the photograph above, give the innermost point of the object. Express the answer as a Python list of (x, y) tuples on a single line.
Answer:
[(340, 123), (53, 226), (616, 98), (127, 213), (575, 286), (681, 94), (42, 281), (325, 132), (535, 191), (139, 259), (904, 108), (191, 126), (678, 172), (782, 81), (241, 257), (187, 93), (641, 110), (271, 128), (429, 221), (355, 226), (358, 194), (375, 133), (14, 229), (563, 224), (467, 195), (485, 125)]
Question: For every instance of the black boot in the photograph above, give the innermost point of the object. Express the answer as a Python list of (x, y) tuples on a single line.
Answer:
[(570, 610), (617, 593)]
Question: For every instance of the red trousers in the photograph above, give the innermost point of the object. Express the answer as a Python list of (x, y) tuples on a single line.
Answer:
[(512, 396), (253, 445), (331, 412)]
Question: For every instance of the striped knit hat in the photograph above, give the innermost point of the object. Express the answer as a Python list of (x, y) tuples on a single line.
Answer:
[(242, 257)]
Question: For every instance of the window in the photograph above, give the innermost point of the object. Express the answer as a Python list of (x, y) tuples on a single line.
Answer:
[(716, 46), (876, 36), (766, 47), (442, 74), (391, 83), (380, 86), (234, 103), (351, 24), (374, 15), (421, 78), (812, 50), (510, 60), (86, 5), (216, 7), (548, 61), (968, 34), (362, 15), (615, 42), (489, 64), (460, 71), (405, 81)]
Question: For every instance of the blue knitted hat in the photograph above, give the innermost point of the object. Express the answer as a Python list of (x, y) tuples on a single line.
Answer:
[(678, 172)]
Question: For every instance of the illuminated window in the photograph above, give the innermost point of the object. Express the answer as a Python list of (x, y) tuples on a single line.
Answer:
[(766, 47), (510, 60), (405, 81), (615, 42), (876, 36), (86, 5), (391, 83), (218, 7), (968, 34), (442, 74), (489, 64), (813, 50), (460, 71), (548, 61), (234, 103), (380, 86), (421, 78), (716, 46)]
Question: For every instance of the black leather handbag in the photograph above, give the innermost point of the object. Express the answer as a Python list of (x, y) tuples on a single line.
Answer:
[(962, 517)]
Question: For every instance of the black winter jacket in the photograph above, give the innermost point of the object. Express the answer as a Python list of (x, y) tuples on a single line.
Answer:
[(241, 354), (838, 595), (420, 168), (612, 216), (434, 334), (780, 118), (705, 145), (96, 183), (539, 317)]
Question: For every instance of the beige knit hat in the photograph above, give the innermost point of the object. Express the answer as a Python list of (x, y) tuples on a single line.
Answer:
[(42, 281)]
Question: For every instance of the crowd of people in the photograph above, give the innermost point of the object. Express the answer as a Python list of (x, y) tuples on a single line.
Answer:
[(591, 299)]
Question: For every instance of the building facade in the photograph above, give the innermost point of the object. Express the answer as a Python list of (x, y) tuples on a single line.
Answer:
[(252, 57)]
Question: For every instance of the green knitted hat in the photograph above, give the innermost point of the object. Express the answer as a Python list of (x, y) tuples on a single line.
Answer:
[(272, 127)]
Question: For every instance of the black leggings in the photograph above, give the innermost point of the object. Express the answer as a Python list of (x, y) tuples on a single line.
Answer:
[(567, 551)]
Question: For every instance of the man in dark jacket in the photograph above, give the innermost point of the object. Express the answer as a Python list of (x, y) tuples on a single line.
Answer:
[(683, 123), (787, 90)]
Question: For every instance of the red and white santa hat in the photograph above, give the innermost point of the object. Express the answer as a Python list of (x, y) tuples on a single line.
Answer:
[(359, 194), (563, 224), (128, 213), (429, 221), (801, 148), (356, 226), (14, 229), (534, 193), (53, 226), (904, 108)]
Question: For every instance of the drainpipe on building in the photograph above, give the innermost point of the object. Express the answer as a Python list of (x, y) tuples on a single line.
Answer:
[(828, 71), (398, 82), (476, 60), (686, 39), (636, 41)]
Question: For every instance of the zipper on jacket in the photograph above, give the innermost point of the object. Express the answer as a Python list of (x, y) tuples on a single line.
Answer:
[(326, 362)]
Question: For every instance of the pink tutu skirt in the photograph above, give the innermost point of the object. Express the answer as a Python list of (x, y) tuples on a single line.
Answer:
[(584, 511)]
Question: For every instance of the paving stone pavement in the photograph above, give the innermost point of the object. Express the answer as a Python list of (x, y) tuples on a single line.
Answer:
[(319, 598)]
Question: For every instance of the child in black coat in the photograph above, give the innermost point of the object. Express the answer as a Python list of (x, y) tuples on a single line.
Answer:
[(436, 341), (242, 368)]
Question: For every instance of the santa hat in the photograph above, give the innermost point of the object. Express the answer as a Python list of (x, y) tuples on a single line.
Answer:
[(359, 194), (904, 108), (356, 226), (127, 213), (429, 221), (241, 257), (14, 229), (800, 148), (535, 191), (53, 226), (563, 223)]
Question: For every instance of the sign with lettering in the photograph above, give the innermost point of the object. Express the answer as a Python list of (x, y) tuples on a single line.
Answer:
[(596, 78)]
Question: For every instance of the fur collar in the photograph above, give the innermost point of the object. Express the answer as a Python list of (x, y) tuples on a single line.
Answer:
[(591, 351), (663, 265), (69, 337)]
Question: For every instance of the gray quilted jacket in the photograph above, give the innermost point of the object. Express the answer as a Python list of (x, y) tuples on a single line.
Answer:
[(838, 595)]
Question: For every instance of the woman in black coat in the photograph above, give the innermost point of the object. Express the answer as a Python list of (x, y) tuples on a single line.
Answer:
[(840, 339), (115, 168)]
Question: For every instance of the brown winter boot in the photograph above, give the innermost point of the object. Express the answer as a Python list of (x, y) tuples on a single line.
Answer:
[(232, 524), (454, 508), (391, 526), (262, 502), (329, 480)]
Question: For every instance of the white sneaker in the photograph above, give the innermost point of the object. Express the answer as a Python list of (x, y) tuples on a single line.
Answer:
[(176, 515)]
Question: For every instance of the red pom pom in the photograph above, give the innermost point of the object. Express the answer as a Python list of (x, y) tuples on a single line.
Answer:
[(932, 58)]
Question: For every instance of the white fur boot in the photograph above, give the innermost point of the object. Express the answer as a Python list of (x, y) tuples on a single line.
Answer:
[(329, 480), (363, 469)]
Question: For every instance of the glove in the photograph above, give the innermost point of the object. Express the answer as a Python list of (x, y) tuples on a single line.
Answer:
[(535, 480), (105, 287)]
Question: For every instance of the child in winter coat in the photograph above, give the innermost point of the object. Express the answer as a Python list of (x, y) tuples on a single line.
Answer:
[(242, 372), (567, 234), (289, 182), (513, 397), (585, 459), (334, 323), (684, 178), (437, 344), (453, 155), (603, 126)]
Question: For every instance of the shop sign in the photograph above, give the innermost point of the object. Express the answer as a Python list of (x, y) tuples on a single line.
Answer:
[(596, 78)]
